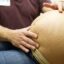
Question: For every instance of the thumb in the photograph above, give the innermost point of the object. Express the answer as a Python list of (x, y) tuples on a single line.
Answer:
[(27, 28)]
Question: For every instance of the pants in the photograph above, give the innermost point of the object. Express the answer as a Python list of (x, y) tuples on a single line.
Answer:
[(12, 55)]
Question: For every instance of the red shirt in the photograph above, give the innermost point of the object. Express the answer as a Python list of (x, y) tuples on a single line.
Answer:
[(20, 14)]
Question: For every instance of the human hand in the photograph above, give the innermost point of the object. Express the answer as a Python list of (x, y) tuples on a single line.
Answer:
[(22, 38), (53, 6)]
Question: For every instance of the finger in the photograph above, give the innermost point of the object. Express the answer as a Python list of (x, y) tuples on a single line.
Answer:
[(30, 41), (30, 34), (51, 5), (23, 48), (27, 28), (19, 40), (25, 44), (60, 7), (47, 4)]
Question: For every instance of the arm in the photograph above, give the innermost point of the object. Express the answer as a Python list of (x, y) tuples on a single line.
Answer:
[(20, 38), (3, 33), (48, 5), (51, 6)]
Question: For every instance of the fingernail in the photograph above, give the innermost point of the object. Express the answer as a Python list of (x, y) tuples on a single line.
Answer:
[(27, 51), (33, 48), (35, 35), (37, 45)]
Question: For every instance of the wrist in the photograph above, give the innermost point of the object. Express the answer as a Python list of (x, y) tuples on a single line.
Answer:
[(4, 32)]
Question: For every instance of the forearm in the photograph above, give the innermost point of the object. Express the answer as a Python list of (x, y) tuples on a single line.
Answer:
[(3, 33)]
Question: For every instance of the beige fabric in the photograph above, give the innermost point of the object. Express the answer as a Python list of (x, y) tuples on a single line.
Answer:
[(39, 57)]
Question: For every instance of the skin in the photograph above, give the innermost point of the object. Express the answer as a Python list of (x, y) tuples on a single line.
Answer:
[(52, 6), (22, 38), (50, 36)]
